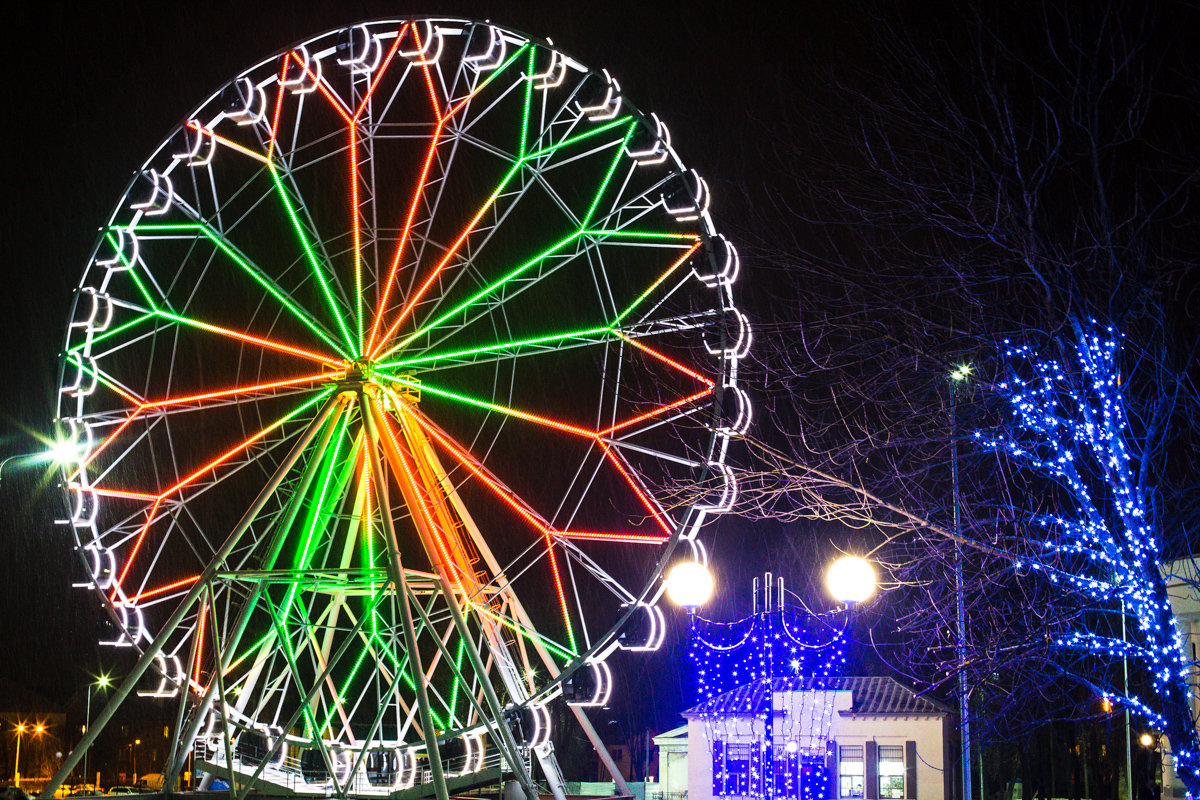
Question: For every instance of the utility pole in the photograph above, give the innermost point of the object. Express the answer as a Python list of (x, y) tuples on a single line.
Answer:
[(957, 376)]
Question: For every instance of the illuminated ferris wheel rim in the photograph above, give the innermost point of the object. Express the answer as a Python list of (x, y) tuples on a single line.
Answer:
[(351, 373)]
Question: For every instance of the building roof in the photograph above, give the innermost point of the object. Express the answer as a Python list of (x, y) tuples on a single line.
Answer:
[(869, 695)]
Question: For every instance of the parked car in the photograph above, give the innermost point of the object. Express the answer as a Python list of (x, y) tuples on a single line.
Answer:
[(125, 790)]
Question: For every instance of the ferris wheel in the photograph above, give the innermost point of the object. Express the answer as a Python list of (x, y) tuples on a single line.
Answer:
[(400, 371)]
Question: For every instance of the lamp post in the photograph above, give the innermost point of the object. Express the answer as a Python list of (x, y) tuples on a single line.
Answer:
[(38, 729), (20, 730), (959, 375), (133, 758), (103, 683)]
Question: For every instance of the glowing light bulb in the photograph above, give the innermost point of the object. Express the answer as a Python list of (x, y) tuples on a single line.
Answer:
[(850, 580), (689, 584)]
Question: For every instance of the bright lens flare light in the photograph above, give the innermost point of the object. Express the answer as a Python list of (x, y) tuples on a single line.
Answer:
[(689, 585), (850, 580)]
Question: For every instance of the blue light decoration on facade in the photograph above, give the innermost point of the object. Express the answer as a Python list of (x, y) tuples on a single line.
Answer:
[(1070, 423), (777, 641)]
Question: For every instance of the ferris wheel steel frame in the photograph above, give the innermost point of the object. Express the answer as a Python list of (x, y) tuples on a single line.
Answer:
[(183, 283)]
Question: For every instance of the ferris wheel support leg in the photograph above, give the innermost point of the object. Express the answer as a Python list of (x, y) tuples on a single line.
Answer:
[(210, 571), (410, 637), (178, 756), (489, 693)]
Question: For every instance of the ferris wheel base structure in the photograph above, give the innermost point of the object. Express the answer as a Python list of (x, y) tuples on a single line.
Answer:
[(402, 370)]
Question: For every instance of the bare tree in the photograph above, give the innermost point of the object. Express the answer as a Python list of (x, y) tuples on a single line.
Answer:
[(1021, 168)]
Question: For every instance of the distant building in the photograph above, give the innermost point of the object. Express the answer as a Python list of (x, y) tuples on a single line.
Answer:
[(811, 739)]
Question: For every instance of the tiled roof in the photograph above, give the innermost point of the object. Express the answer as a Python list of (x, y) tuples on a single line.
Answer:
[(869, 695)]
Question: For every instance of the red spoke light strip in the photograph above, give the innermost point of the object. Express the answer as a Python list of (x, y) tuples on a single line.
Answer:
[(655, 412), (196, 398), (632, 538), (646, 502), (668, 361), (376, 342), (132, 601), (333, 99), (519, 506)]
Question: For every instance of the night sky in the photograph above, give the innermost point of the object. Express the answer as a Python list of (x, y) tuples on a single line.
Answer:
[(93, 89)]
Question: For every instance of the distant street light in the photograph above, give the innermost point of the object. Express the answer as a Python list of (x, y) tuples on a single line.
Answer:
[(38, 729), (851, 580), (689, 585), (102, 682)]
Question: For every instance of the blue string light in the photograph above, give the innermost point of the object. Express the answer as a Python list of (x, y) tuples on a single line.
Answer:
[(1070, 424), (776, 642)]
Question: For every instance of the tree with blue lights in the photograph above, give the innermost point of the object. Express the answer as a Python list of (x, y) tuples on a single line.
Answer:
[(1101, 544)]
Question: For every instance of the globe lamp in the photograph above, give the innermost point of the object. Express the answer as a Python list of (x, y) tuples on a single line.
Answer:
[(689, 585), (850, 580)]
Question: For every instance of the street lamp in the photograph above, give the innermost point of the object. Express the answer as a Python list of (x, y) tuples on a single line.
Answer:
[(102, 682), (957, 376), (689, 585), (38, 729), (58, 451), (851, 580), (133, 757)]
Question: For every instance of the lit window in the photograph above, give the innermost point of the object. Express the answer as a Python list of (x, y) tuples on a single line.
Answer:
[(891, 771), (851, 772)]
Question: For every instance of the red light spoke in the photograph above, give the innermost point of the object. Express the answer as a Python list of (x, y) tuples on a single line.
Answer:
[(655, 412), (137, 544), (200, 641), (631, 538), (333, 99), (646, 502), (691, 373), (132, 601), (278, 108), (387, 60)]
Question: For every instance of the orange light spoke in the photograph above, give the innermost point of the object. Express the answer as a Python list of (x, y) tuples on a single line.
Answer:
[(160, 590), (646, 502), (232, 145), (437, 110), (666, 360), (104, 444), (121, 493), (450, 253), (137, 544), (258, 387), (655, 412), (408, 473), (404, 234), (278, 108), (270, 344), (200, 641)]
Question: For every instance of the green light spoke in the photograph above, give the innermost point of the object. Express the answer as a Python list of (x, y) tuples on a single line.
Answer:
[(528, 99), (612, 168), (256, 274), (491, 348), (132, 270), (313, 261), (458, 659), (316, 515), (579, 137), (642, 297), (475, 401), (486, 291), (113, 332), (655, 235), (534, 636)]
